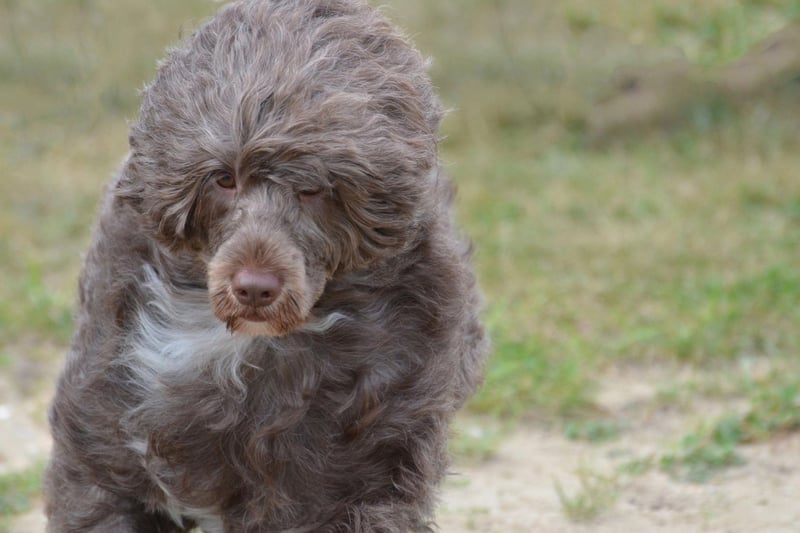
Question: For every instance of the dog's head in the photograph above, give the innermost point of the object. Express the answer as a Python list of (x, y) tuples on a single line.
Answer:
[(284, 142)]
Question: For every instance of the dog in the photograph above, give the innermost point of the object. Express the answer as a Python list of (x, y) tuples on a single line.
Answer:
[(277, 316)]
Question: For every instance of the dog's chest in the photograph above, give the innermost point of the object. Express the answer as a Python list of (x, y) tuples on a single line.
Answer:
[(176, 347), (176, 338)]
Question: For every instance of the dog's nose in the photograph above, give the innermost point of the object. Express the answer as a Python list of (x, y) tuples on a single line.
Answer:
[(256, 288)]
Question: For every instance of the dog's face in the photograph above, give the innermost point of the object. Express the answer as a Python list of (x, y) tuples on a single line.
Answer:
[(283, 144)]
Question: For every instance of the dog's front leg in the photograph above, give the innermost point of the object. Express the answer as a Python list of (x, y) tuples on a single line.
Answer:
[(377, 517), (73, 507), (127, 523), (112, 523)]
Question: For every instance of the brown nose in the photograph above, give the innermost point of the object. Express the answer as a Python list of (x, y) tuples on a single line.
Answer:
[(256, 288)]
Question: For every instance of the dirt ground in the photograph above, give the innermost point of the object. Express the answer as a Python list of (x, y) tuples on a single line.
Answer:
[(514, 490)]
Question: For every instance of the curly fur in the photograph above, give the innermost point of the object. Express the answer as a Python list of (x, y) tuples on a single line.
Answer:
[(328, 409)]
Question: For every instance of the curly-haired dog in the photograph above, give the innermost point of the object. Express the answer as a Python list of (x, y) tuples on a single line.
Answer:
[(277, 317)]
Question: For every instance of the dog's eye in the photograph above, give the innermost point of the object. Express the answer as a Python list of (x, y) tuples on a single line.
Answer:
[(308, 194), (226, 181)]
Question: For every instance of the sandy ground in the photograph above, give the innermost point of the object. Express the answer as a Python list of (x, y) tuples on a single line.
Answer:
[(514, 490)]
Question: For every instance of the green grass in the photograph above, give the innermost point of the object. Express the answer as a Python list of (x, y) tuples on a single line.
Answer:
[(595, 431), (523, 378), (671, 246), (772, 408), (18, 491), (702, 454)]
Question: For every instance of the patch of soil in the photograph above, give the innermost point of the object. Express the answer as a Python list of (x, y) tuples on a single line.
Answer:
[(515, 490)]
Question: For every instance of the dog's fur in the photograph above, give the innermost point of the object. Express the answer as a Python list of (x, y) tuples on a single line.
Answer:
[(328, 409)]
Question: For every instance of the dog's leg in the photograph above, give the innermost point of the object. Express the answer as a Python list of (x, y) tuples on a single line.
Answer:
[(122, 523), (388, 517), (112, 523), (73, 506)]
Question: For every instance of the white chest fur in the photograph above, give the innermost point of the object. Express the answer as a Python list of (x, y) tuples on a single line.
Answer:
[(177, 336)]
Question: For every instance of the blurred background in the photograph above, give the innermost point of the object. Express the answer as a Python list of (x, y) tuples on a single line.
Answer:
[(630, 175)]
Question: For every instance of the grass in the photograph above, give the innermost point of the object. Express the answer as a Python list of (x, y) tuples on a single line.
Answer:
[(773, 409), (596, 431), (595, 495), (675, 246), (523, 377), (18, 490), (702, 454)]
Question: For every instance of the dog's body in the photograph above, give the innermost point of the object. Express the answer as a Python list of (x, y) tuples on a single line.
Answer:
[(277, 318)]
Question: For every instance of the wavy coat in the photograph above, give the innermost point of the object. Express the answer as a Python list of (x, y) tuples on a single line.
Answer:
[(297, 137)]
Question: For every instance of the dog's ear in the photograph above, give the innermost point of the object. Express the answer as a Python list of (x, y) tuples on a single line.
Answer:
[(125, 186), (167, 207), (173, 222)]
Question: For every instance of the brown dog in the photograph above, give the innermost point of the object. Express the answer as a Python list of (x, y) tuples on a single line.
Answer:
[(277, 318)]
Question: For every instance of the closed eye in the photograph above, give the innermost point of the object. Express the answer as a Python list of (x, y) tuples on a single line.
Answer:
[(307, 194)]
